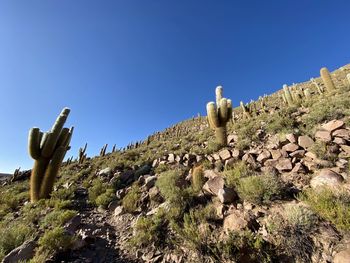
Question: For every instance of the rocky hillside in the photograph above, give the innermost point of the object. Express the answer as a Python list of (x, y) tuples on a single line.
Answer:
[(278, 192)]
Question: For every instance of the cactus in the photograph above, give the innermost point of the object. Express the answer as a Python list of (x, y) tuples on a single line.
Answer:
[(245, 110), (82, 154), (348, 79), (48, 151), (219, 115), (327, 79), (103, 150), (288, 95), (307, 94), (198, 179), (319, 88)]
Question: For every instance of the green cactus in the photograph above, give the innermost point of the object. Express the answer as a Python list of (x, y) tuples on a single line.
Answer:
[(48, 151), (307, 94), (219, 115), (327, 79), (82, 154), (198, 179), (288, 95), (318, 87), (348, 79), (103, 150), (245, 110)]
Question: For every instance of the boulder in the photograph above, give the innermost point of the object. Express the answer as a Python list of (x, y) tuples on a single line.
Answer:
[(342, 256), (263, 156), (324, 136), (236, 153), (119, 210), (305, 141), (210, 174), (225, 154), (291, 137), (213, 185), (232, 138), (22, 253), (72, 225), (339, 141), (342, 133), (105, 172), (235, 222), (290, 147), (346, 149), (332, 125), (299, 168), (150, 181), (297, 154), (284, 164), (276, 154), (227, 195), (171, 158), (326, 177)]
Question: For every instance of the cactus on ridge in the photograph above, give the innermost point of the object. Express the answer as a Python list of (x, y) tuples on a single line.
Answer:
[(48, 150), (103, 150), (288, 95), (327, 79), (219, 115), (82, 154)]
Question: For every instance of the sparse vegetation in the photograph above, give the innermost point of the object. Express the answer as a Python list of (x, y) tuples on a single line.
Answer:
[(130, 201)]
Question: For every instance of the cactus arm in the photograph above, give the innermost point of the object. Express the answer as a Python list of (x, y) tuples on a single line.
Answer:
[(223, 112), (63, 137), (218, 94), (34, 143), (212, 115)]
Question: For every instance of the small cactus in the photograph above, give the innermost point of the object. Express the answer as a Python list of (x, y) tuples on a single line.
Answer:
[(219, 115), (288, 95), (82, 154), (245, 110), (198, 179), (318, 87), (327, 79), (103, 150), (307, 94), (48, 150)]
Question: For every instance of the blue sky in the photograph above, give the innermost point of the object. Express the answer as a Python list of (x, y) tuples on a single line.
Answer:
[(129, 68)]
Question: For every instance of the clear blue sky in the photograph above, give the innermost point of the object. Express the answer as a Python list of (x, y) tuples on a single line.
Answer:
[(129, 68)]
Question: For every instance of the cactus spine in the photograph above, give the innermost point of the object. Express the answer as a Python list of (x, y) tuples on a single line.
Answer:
[(327, 79), (219, 115), (48, 151)]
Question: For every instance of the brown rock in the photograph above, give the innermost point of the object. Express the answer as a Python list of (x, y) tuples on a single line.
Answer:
[(297, 154), (22, 253), (291, 137), (235, 153), (342, 256), (225, 154), (216, 156), (210, 174), (171, 158), (326, 177), (324, 136), (346, 149), (311, 155), (333, 125), (284, 164), (299, 168), (305, 141), (271, 163), (342, 133), (290, 147), (339, 141), (263, 156), (227, 195), (212, 186), (235, 222), (232, 138), (248, 158)]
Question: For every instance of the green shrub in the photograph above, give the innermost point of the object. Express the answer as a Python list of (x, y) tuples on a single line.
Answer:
[(333, 206), (130, 201), (105, 198), (259, 189), (281, 122), (239, 170), (55, 239), (57, 218), (13, 235), (150, 230)]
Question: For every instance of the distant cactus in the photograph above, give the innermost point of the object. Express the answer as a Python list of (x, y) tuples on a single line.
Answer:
[(318, 87), (327, 79), (288, 95), (219, 115), (103, 150), (348, 79), (82, 154), (48, 150), (245, 110), (198, 179), (307, 94)]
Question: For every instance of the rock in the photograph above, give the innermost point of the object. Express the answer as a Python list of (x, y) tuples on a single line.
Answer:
[(263, 156), (342, 256), (72, 225), (290, 147), (276, 154), (332, 125), (339, 141), (271, 163), (230, 163), (297, 154), (105, 172), (326, 177), (324, 136), (342, 133), (22, 253), (291, 137), (153, 192), (236, 153), (120, 193), (248, 158), (227, 195), (113, 205), (127, 176), (212, 186), (119, 210), (305, 141), (232, 138), (299, 168), (234, 222), (311, 155), (155, 163), (346, 149), (171, 158), (150, 181), (210, 174), (225, 154), (284, 164)]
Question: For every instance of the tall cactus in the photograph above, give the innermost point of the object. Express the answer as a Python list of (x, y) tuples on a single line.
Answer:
[(48, 150), (103, 150), (327, 79), (288, 95), (219, 115), (318, 87), (82, 154)]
